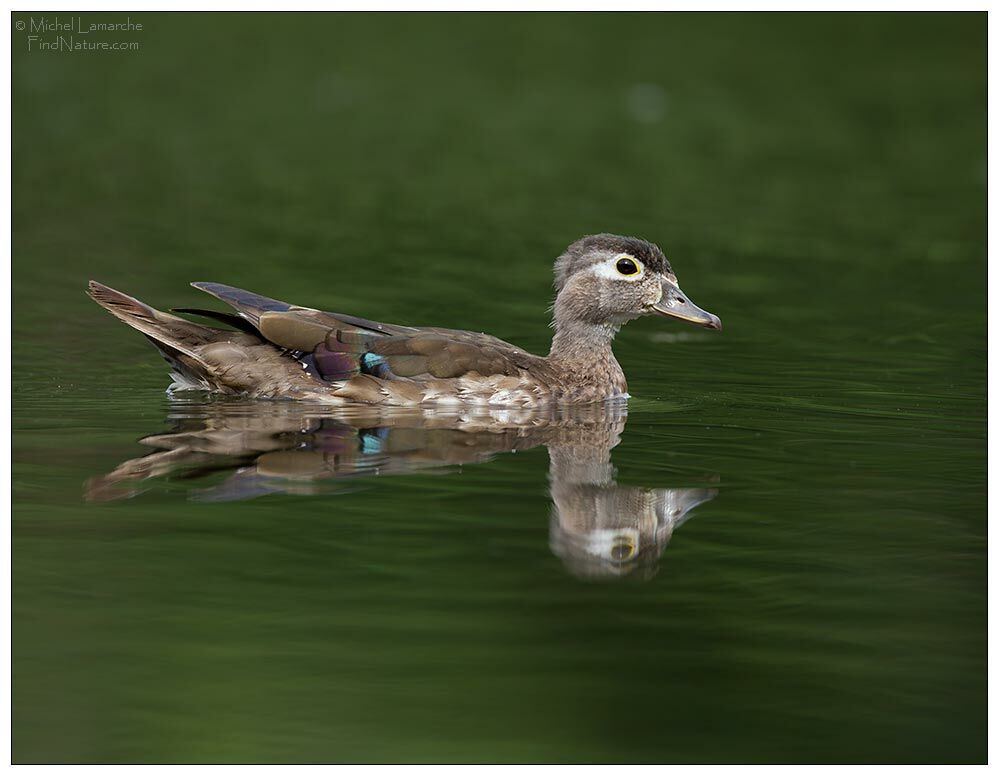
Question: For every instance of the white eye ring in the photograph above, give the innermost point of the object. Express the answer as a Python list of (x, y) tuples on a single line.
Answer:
[(608, 268), (627, 265), (624, 262), (616, 545)]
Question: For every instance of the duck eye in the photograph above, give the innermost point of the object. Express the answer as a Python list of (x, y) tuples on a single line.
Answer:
[(627, 267), (623, 550)]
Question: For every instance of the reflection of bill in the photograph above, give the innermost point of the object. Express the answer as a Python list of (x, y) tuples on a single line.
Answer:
[(598, 528)]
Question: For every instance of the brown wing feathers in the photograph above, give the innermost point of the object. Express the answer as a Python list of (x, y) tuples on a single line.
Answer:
[(437, 355), (341, 346)]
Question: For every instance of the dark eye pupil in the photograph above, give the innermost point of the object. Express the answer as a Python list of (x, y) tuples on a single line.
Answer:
[(626, 267)]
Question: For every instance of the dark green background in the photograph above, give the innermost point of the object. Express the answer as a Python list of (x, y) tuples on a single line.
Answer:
[(818, 181)]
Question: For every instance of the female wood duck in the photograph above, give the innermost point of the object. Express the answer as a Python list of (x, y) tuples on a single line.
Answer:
[(278, 350)]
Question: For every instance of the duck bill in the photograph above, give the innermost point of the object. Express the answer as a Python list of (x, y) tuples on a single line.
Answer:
[(675, 304)]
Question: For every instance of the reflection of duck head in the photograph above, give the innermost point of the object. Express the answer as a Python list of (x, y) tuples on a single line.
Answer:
[(602, 529), (598, 528), (612, 530)]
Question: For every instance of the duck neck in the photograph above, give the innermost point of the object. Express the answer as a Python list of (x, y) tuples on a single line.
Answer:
[(581, 348), (583, 342), (581, 353)]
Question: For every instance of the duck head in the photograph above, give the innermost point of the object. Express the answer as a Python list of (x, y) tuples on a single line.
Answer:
[(608, 280)]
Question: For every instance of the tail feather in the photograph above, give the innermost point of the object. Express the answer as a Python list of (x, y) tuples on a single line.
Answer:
[(177, 339)]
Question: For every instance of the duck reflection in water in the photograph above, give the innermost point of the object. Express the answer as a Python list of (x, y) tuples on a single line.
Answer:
[(598, 528)]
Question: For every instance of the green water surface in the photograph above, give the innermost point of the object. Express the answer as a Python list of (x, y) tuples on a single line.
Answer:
[(818, 181)]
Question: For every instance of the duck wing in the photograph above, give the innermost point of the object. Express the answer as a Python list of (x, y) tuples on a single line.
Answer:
[(339, 346), (253, 307)]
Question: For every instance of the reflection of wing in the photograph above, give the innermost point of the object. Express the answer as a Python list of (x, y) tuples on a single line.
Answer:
[(299, 449)]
